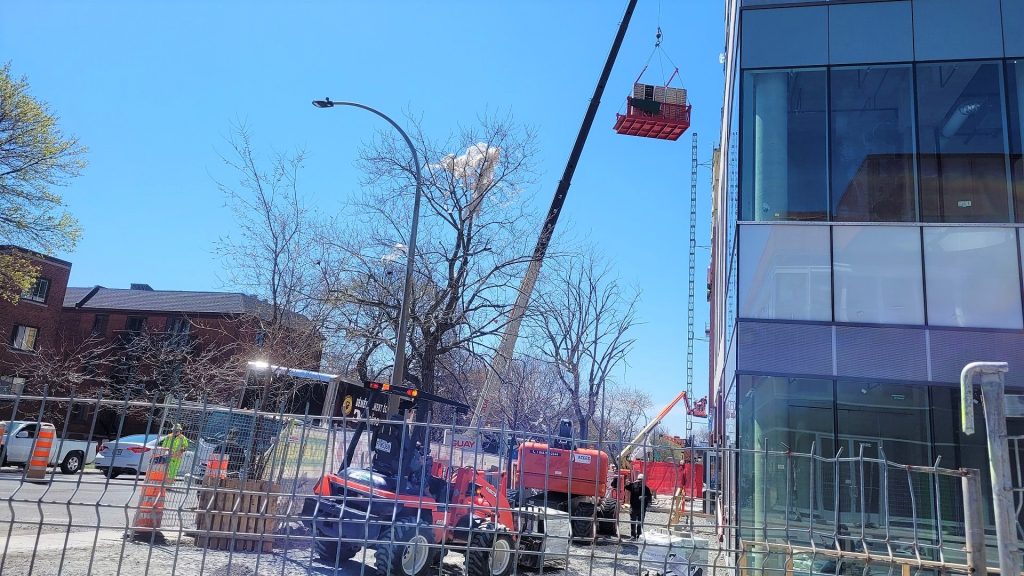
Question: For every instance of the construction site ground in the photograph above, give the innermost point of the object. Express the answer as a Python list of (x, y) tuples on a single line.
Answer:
[(105, 551)]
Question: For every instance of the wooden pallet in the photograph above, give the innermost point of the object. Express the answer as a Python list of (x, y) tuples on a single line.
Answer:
[(237, 515)]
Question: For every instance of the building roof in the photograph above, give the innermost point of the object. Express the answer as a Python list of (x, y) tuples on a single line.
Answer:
[(100, 298), (34, 254)]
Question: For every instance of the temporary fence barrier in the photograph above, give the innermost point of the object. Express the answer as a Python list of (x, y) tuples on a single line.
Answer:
[(263, 492)]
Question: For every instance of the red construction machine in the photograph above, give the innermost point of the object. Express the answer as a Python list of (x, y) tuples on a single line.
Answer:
[(410, 512)]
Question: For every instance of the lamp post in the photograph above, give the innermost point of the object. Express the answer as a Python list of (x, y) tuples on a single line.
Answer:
[(398, 375)]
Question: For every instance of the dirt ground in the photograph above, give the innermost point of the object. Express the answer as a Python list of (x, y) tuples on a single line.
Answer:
[(107, 553)]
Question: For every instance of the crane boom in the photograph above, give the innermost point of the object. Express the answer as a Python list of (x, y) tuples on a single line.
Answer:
[(503, 355), (698, 410)]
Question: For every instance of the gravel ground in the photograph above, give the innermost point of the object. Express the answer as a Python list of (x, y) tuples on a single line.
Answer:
[(105, 552)]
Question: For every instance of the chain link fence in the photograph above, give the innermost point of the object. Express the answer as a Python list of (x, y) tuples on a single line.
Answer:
[(257, 492)]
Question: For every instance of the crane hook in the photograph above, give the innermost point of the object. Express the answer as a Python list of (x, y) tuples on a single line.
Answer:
[(657, 38)]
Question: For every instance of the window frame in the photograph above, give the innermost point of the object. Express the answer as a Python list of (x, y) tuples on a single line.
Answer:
[(13, 343), (30, 294), (100, 333), (15, 385), (142, 321)]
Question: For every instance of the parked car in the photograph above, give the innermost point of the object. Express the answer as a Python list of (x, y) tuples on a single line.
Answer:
[(131, 455), (16, 447)]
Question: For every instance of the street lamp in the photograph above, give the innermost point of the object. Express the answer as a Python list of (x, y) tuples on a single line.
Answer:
[(398, 375)]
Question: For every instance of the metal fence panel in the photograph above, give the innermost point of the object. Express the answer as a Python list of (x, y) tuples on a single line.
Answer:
[(263, 492)]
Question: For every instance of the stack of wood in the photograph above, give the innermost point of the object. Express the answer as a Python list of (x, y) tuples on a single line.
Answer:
[(238, 515)]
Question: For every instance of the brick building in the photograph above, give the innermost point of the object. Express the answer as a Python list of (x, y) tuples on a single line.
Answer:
[(52, 322), (35, 320)]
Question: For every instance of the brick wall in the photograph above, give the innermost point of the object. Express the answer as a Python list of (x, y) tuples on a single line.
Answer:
[(44, 316)]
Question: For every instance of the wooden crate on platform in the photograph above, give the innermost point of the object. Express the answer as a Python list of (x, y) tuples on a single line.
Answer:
[(237, 515)]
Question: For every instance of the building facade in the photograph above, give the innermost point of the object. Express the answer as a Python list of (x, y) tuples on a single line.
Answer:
[(34, 321), (867, 243), (67, 341)]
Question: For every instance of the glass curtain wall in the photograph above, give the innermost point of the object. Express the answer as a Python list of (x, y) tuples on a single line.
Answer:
[(780, 492), (778, 414), (785, 139), (961, 121), (885, 422), (872, 144), (1015, 83), (930, 142)]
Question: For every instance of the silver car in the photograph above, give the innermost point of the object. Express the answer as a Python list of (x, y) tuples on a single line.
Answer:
[(131, 455)]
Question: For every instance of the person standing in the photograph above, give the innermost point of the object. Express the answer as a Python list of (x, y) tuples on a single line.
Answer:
[(176, 444), (640, 498)]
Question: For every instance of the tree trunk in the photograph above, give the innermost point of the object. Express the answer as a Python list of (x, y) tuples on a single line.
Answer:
[(583, 432)]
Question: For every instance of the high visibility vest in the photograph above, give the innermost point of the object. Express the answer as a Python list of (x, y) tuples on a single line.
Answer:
[(175, 444)]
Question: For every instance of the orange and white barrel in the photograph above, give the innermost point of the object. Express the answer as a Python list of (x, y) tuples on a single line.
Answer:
[(217, 466), (39, 458), (150, 512)]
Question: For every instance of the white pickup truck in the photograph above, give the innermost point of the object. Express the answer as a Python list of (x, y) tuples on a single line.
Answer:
[(16, 447)]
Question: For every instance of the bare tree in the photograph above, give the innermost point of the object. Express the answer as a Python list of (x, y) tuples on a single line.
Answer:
[(532, 399), (582, 318), (470, 251), (275, 256), (621, 415), (73, 367), (167, 366)]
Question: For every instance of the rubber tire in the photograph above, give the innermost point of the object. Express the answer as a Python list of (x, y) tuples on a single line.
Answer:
[(332, 552), (66, 467), (608, 517), (582, 524), (388, 554), (481, 547), (113, 473)]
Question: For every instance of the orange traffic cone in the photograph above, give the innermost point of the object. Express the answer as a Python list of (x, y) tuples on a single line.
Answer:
[(150, 512), (39, 459)]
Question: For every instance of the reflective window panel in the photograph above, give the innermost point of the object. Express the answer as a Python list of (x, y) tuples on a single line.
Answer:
[(1015, 84), (962, 142), (972, 277), (785, 272), (784, 145), (877, 272), (872, 145)]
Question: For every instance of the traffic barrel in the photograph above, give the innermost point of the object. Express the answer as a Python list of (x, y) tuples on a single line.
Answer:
[(39, 457), (217, 466), (150, 512)]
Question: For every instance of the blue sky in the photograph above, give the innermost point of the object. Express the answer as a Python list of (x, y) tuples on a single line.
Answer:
[(153, 87)]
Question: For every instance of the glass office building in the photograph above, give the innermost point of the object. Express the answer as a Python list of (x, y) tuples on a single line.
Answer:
[(867, 242)]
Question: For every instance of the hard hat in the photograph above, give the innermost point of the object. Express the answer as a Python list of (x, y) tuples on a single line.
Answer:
[(177, 428), (639, 477)]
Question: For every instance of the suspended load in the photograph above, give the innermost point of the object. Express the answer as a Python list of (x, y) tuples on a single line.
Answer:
[(654, 111)]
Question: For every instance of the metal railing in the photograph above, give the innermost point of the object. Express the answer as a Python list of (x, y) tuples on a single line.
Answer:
[(264, 492)]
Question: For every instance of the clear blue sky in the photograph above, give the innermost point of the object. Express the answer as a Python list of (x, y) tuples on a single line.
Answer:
[(152, 88)]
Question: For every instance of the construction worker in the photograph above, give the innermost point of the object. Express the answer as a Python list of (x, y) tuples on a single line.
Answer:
[(176, 444), (640, 498)]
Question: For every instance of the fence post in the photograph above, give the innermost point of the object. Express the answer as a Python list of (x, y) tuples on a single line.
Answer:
[(974, 522), (993, 403)]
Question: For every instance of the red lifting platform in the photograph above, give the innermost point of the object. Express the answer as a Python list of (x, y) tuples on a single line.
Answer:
[(649, 115)]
